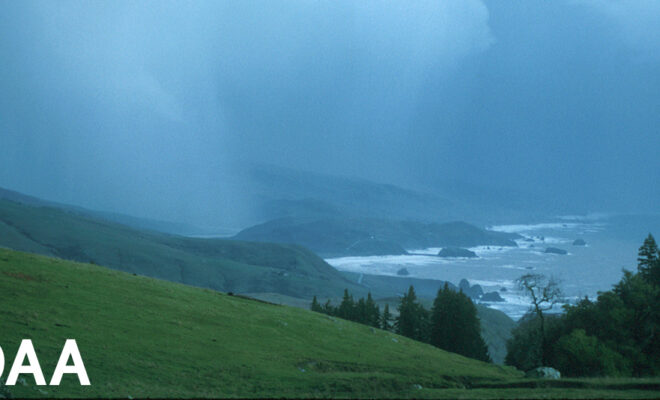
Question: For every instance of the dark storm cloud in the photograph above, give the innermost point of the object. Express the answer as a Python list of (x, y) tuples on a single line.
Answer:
[(141, 107)]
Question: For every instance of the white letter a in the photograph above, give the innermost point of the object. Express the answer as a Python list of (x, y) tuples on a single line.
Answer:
[(2, 362), (70, 350), (26, 349)]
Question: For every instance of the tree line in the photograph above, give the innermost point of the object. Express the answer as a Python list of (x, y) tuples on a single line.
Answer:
[(451, 324), (618, 334), (364, 311)]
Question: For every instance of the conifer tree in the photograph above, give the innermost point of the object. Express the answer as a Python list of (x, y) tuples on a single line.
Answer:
[(455, 326), (649, 261), (412, 317), (442, 320), (360, 314), (372, 312), (316, 306), (329, 309), (347, 307), (386, 318)]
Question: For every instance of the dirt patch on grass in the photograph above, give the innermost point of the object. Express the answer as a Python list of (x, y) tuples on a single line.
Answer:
[(21, 276)]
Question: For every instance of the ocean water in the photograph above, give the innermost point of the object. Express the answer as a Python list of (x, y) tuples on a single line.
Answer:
[(584, 271)]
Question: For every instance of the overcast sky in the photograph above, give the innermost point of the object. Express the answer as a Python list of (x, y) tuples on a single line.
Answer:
[(138, 107)]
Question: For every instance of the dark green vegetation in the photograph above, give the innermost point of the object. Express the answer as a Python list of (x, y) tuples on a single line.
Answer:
[(214, 263), (334, 237), (363, 311), (496, 326), (451, 324), (454, 326), (143, 337), (616, 335)]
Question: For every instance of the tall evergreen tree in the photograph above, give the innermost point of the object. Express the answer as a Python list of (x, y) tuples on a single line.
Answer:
[(360, 313), (411, 321), (329, 309), (386, 318), (443, 319), (316, 306), (372, 317), (346, 309), (455, 326), (648, 261)]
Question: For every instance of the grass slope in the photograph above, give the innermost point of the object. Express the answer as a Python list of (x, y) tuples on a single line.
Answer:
[(146, 337), (214, 263)]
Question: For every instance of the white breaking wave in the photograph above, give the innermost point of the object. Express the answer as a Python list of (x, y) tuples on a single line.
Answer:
[(510, 266), (413, 259), (483, 251), (577, 227), (519, 228), (431, 251), (487, 283)]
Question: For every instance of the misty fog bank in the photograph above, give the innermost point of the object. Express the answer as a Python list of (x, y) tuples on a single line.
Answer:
[(154, 110)]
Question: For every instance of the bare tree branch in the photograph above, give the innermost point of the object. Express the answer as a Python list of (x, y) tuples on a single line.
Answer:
[(544, 293)]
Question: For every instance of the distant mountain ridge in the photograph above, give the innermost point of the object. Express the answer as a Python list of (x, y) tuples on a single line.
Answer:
[(219, 264), (256, 193), (124, 219), (333, 237), (283, 192)]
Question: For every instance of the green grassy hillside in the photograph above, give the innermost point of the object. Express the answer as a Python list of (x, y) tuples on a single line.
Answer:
[(496, 326), (214, 263), (144, 337)]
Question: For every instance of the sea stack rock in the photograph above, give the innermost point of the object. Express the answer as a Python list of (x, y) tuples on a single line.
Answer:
[(402, 272), (474, 292), (554, 250), (456, 252), (464, 285), (492, 297)]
